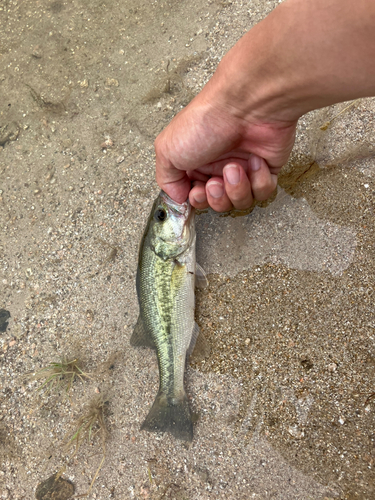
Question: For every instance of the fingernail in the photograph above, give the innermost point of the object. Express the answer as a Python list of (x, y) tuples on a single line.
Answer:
[(232, 174), (255, 162), (200, 197), (215, 189)]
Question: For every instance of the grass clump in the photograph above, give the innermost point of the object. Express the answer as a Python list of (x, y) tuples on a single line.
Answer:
[(90, 423), (58, 375)]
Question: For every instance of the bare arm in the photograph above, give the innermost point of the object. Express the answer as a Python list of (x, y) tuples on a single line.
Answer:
[(304, 55), (234, 137)]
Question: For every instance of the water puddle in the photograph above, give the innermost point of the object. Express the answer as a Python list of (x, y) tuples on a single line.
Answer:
[(286, 232)]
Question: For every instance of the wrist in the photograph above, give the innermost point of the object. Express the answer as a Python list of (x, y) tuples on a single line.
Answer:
[(297, 60), (253, 80)]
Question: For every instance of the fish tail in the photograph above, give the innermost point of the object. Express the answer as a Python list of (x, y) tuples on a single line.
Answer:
[(170, 414)]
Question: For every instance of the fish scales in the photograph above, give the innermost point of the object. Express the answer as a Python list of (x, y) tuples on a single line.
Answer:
[(165, 286)]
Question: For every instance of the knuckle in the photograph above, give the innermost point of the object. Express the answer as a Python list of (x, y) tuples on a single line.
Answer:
[(243, 203), (264, 193), (240, 193), (239, 196), (221, 207)]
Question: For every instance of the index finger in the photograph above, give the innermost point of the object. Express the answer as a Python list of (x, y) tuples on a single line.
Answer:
[(174, 182)]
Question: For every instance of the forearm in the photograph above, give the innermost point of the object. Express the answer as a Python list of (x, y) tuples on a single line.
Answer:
[(306, 54)]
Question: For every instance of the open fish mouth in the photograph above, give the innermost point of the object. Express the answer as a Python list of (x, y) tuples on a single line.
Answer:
[(184, 211), (180, 209)]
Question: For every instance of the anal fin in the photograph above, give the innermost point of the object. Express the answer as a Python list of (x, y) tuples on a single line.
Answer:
[(199, 348), (140, 336)]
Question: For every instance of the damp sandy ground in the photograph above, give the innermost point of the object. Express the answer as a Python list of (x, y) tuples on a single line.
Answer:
[(283, 396)]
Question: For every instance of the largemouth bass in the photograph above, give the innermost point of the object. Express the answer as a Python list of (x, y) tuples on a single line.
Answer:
[(165, 288)]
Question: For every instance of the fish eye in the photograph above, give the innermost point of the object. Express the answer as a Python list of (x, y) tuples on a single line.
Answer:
[(160, 214)]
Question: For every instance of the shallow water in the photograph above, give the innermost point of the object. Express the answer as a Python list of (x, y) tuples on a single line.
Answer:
[(286, 232)]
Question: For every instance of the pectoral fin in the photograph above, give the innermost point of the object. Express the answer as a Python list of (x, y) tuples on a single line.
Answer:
[(141, 337), (201, 280)]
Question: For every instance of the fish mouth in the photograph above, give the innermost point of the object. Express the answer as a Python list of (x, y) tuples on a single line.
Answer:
[(181, 209), (185, 211)]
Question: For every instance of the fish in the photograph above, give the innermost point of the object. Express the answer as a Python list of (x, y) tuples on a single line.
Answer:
[(165, 285)]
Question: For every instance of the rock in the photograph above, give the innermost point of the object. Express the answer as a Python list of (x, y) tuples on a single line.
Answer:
[(296, 432), (4, 316), (54, 489), (8, 132)]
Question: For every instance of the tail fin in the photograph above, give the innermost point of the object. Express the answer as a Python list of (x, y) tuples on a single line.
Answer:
[(170, 415)]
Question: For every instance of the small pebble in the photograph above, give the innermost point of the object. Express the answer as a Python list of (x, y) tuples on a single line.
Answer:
[(332, 367), (112, 82), (108, 143), (296, 432)]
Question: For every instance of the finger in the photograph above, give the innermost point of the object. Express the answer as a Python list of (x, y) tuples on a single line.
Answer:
[(216, 168), (197, 195), (216, 195), (237, 186), (172, 181), (262, 181), (195, 175), (178, 190)]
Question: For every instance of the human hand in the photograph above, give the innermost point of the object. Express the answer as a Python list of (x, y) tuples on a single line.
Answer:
[(302, 56), (219, 158)]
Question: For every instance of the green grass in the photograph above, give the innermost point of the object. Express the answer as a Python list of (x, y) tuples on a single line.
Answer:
[(89, 424), (60, 375)]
